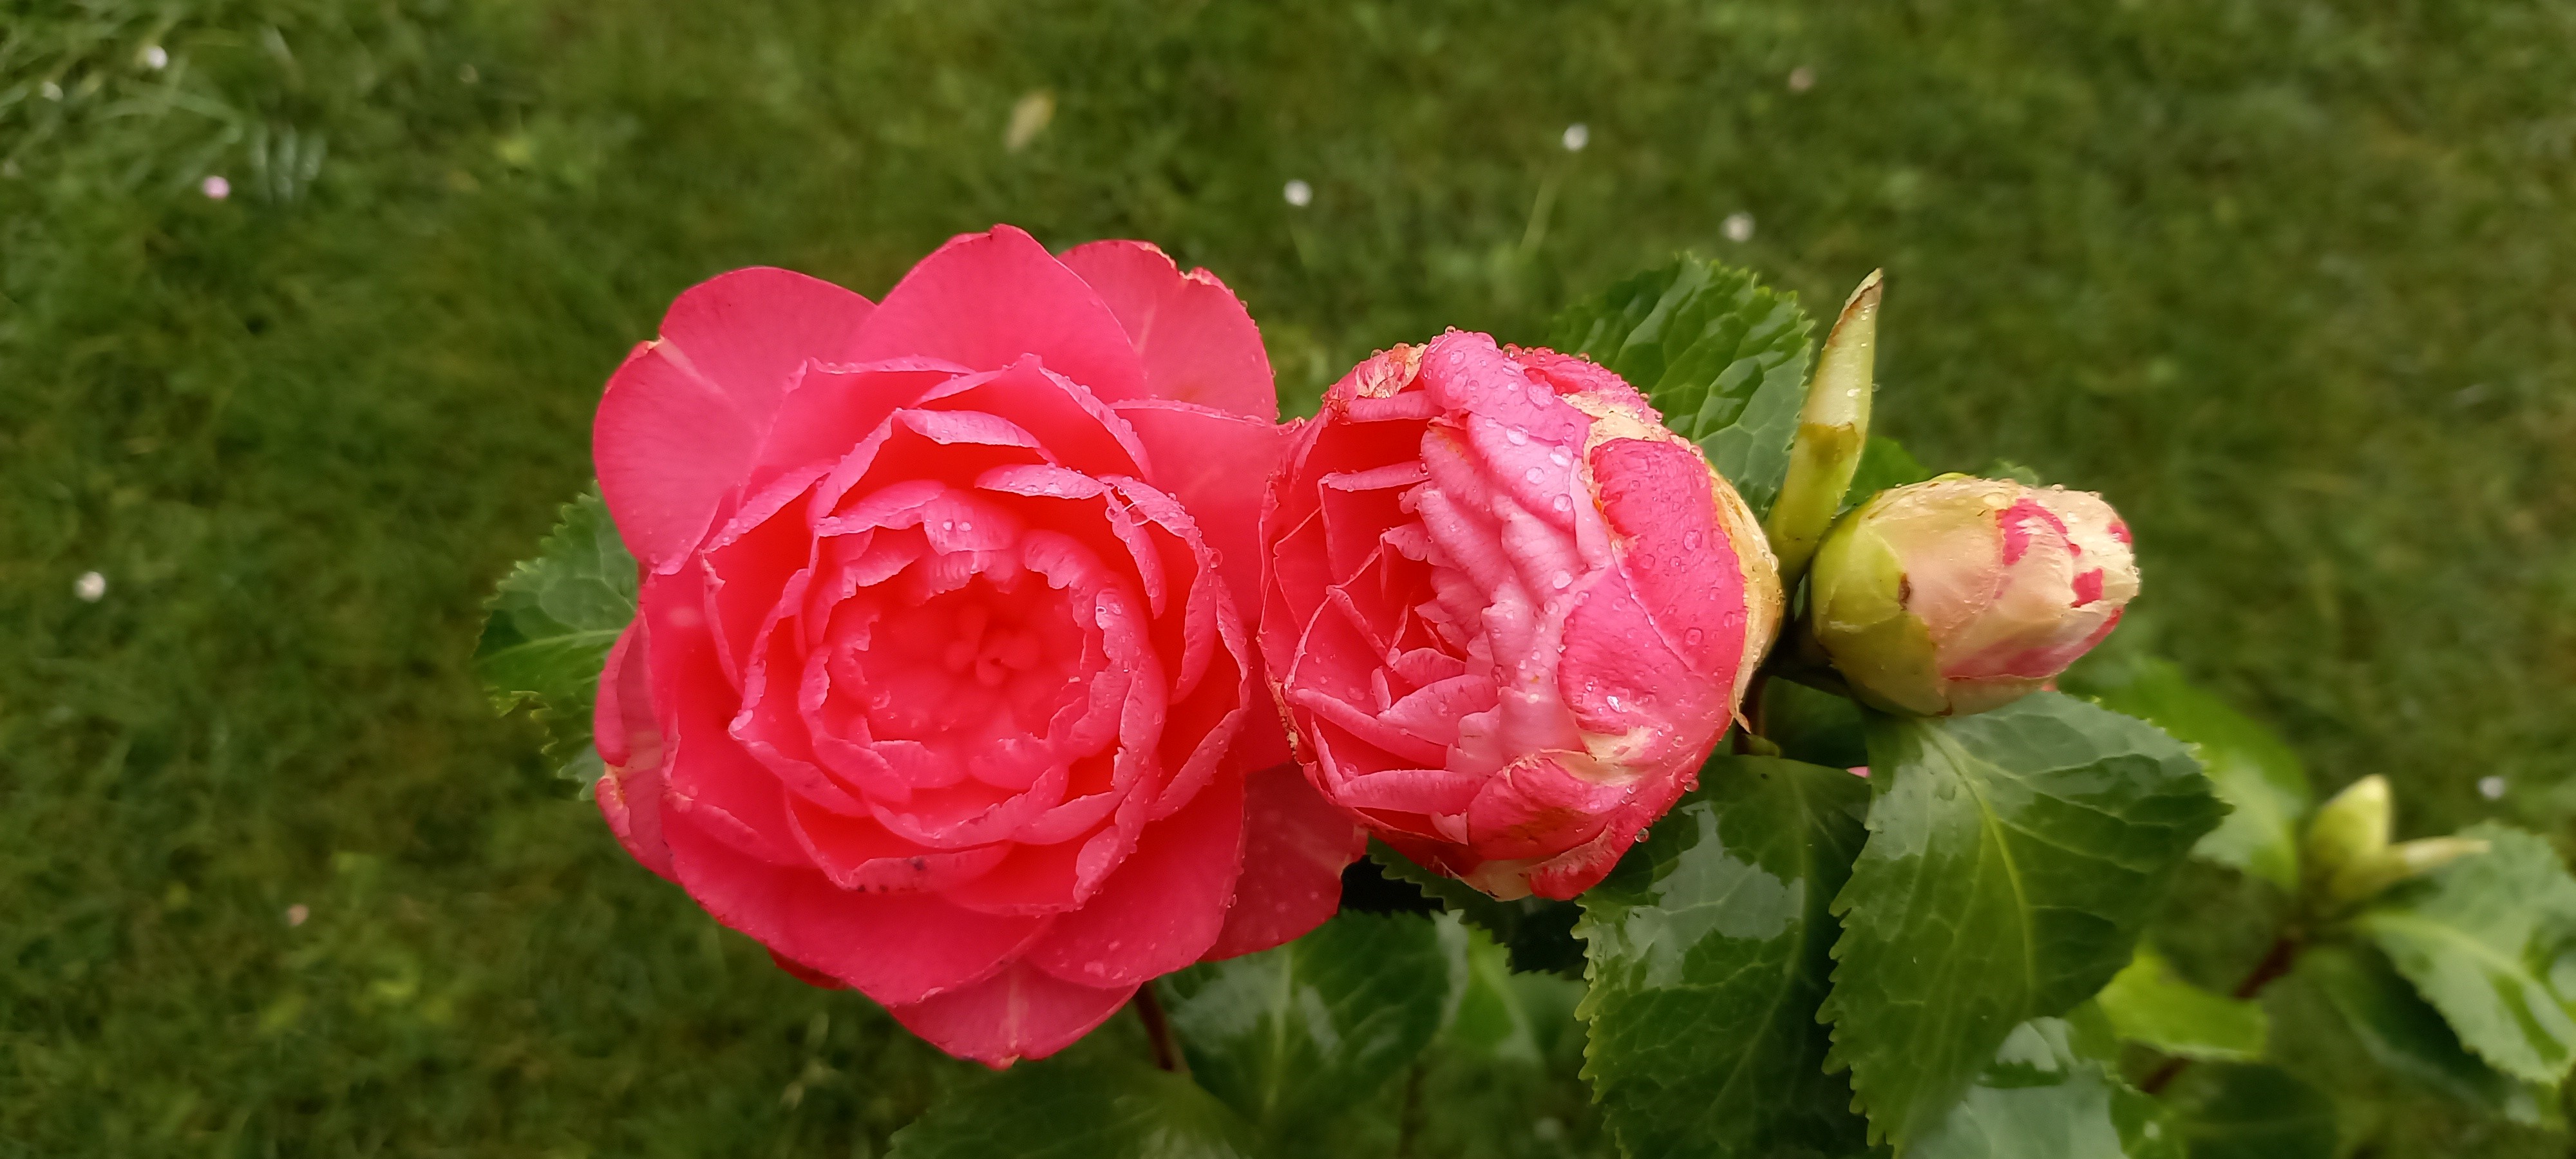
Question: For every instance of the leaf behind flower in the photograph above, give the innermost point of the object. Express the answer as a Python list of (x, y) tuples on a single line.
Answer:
[(1723, 356), (551, 623)]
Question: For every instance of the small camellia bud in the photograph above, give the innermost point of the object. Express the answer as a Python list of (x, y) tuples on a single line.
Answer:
[(2349, 830), (1833, 426), (1960, 595)]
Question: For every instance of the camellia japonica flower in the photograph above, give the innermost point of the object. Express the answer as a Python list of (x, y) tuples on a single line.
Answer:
[(1959, 595), (941, 686), (1507, 612)]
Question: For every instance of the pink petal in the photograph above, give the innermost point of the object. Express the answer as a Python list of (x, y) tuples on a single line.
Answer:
[(1657, 498), (1163, 906), (895, 948), (985, 299), (1295, 847), (630, 744), (1198, 342), (1022, 1012), (683, 417), (1218, 465)]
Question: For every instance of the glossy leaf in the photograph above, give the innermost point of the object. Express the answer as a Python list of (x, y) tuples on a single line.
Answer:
[(551, 622), (1305, 1030), (2149, 1004), (1721, 355), (2404, 1034), (1078, 1110), (2012, 858), (2241, 1111), (1537, 933), (2041, 1098), (2252, 768), (1708, 951), (2490, 941)]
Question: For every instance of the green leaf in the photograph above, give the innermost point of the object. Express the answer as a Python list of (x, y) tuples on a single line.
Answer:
[(1500, 1011), (550, 625), (2151, 1005), (1813, 725), (1721, 355), (2040, 1098), (2404, 1034), (2252, 768), (1884, 463), (1069, 1109), (2012, 858), (2490, 941), (2238, 1111), (1537, 932), (1291, 1036), (1708, 947)]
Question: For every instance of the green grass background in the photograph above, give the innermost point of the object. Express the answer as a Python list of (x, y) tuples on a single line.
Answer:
[(2294, 284)]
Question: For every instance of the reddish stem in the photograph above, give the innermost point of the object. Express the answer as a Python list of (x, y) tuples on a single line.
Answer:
[(1158, 1028)]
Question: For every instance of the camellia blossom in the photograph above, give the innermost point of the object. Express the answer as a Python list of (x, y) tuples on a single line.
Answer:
[(940, 686), (1960, 595), (1507, 612)]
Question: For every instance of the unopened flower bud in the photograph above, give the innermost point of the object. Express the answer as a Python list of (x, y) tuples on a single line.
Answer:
[(1960, 595), (1833, 427), (2349, 830), (1507, 612)]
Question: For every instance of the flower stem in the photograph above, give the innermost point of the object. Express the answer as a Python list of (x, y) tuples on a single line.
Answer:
[(1158, 1029)]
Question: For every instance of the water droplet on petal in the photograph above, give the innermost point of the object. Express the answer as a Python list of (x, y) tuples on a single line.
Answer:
[(1562, 503), (1533, 474), (1517, 435), (1559, 457), (1562, 581), (1693, 637)]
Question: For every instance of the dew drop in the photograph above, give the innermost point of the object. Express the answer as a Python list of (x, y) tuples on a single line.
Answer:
[(1562, 503), (1693, 637), (1518, 436), (1533, 474), (1562, 581), (1946, 790), (1559, 457), (1690, 542), (1614, 702)]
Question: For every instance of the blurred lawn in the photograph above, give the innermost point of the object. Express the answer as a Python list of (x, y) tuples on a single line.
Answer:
[(2294, 284)]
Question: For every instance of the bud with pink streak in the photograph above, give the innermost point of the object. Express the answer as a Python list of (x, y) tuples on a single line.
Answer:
[(1506, 612), (1960, 595)]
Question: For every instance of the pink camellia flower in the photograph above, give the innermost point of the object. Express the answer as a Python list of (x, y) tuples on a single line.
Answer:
[(1959, 595), (1506, 612), (940, 686)]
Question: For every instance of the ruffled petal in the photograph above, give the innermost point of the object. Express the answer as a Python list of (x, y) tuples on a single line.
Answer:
[(1218, 465), (682, 418), (894, 948), (1021, 1012), (1197, 340), (630, 744), (1162, 908), (1295, 846), (985, 299)]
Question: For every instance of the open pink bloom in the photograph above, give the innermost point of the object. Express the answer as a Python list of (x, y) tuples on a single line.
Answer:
[(940, 689), (1507, 612), (1960, 595)]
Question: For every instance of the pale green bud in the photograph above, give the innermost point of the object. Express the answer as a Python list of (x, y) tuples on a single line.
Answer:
[(2349, 831), (1833, 427), (1959, 595)]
